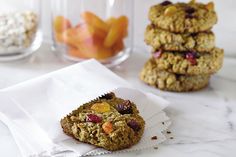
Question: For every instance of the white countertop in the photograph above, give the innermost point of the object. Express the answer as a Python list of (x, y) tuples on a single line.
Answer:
[(204, 122)]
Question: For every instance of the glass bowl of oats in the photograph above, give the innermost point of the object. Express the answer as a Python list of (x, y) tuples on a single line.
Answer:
[(20, 33)]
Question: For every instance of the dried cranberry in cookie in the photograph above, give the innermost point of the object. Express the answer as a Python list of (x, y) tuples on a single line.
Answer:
[(157, 54), (93, 118), (191, 57), (178, 62)]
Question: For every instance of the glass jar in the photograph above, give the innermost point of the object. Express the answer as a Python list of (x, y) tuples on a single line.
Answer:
[(20, 33), (100, 29)]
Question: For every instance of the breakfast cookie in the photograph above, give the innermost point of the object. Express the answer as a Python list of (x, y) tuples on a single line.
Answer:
[(189, 63), (171, 82), (161, 39), (108, 122), (183, 17)]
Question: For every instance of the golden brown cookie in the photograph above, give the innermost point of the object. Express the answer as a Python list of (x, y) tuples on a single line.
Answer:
[(189, 63), (183, 17), (108, 122), (161, 39), (164, 80)]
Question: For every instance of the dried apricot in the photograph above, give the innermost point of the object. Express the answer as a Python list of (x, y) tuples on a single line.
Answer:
[(117, 31), (94, 49), (119, 46), (60, 24), (170, 11), (93, 20), (70, 37), (76, 52), (58, 37), (110, 21), (107, 127), (210, 6), (101, 107)]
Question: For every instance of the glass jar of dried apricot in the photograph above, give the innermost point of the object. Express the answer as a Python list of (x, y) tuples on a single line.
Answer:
[(100, 29)]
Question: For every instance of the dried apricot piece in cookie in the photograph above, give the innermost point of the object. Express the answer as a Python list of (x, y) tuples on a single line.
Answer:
[(210, 6), (101, 107), (107, 127), (170, 11)]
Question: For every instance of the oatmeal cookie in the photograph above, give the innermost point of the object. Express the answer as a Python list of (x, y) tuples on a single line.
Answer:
[(161, 39), (171, 82), (183, 17), (108, 122), (189, 63)]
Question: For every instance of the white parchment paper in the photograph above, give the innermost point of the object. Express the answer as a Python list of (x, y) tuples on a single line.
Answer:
[(32, 110)]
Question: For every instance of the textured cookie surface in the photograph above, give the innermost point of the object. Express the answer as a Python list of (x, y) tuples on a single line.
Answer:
[(108, 122), (190, 63), (183, 17), (171, 82), (161, 39)]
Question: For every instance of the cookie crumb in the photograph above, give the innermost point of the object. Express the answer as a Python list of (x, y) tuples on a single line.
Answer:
[(154, 138), (172, 137), (168, 132), (163, 123)]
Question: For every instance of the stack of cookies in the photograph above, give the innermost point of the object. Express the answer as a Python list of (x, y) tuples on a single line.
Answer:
[(184, 55)]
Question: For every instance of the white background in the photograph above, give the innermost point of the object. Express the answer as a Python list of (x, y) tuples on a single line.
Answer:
[(225, 30), (196, 114)]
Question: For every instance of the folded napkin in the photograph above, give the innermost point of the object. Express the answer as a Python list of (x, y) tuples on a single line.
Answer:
[(32, 110)]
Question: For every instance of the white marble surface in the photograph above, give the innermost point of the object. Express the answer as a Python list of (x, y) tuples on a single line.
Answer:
[(204, 122)]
